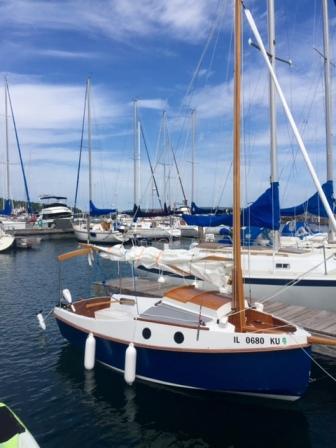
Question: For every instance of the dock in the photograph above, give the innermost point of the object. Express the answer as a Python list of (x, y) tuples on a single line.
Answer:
[(317, 322), (60, 230), (44, 233)]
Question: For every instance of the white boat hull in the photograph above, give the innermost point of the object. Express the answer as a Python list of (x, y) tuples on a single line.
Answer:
[(6, 242), (104, 237)]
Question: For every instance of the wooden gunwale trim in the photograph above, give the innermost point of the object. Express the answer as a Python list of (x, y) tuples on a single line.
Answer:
[(190, 350), (254, 329), (106, 302)]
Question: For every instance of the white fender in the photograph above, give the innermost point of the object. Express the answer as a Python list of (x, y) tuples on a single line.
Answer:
[(90, 259), (130, 364), (67, 295), (90, 352), (41, 320)]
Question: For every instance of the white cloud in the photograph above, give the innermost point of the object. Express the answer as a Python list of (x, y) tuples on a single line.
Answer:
[(51, 106), (62, 54), (182, 19), (155, 103)]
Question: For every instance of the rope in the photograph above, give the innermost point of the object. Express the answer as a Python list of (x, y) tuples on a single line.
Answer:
[(80, 149), (100, 269), (319, 365), (52, 309)]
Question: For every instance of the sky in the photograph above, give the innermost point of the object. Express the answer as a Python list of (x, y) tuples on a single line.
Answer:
[(170, 55)]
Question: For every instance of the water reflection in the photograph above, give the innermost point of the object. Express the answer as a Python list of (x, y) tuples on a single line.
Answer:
[(152, 415)]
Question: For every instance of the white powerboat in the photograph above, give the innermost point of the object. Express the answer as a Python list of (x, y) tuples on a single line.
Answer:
[(52, 210)]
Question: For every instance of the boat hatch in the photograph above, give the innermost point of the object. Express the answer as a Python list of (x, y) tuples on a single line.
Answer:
[(207, 299), (172, 315)]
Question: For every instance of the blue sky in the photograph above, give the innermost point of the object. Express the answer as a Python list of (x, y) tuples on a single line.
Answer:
[(150, 50)]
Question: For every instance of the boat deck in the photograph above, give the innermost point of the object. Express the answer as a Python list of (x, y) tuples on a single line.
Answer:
[(210, 299), (164, 313), (318, 322)]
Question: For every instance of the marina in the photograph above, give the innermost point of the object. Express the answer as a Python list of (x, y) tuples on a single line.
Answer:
[(178, 298)]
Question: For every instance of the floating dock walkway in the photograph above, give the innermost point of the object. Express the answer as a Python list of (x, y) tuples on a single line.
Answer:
[(43, 233), (317, 322)]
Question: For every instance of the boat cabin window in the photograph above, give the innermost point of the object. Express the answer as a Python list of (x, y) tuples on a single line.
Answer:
[(146, 333), (282, 265), (178, 337), (56, 215)]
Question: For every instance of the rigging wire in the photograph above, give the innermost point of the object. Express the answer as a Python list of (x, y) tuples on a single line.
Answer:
[(151, 167), (80, 149)]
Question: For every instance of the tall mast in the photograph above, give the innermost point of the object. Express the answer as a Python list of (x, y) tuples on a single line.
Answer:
[(19, 148), (238, 294), (135, 153), (272, 106), (90, 154), (193, 126), (138, 158), (164, 157), (271, 38), (7, 145), (327, 96), (89, 136)]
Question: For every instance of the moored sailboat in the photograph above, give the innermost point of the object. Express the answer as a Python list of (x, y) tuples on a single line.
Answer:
[(84, 229), (192, 338)]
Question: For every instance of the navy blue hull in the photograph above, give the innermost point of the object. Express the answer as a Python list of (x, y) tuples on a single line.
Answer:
[(281, 373)]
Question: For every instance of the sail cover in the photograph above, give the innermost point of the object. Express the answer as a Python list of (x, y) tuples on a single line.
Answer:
[(195, 210), (7, 210), (213, 268), (264, 212), (137, 212), (314, 204), (94, 211)]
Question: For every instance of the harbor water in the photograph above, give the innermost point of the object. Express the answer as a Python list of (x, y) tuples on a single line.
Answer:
[(43, 380)]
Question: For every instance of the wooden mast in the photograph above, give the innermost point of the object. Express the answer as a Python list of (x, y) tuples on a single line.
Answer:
[(238, 293)]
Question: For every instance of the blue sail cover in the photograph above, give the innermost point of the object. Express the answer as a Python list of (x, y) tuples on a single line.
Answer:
[(94, 211), (208, 210), (264, 212), (248, 235), (137, 212), (7, 210), (314, 204), (299, 228)]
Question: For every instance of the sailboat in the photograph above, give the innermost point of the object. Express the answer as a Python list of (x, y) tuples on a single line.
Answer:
[(192, 338), (85, 230), (9, 222), (6, 240), (150, 224)]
